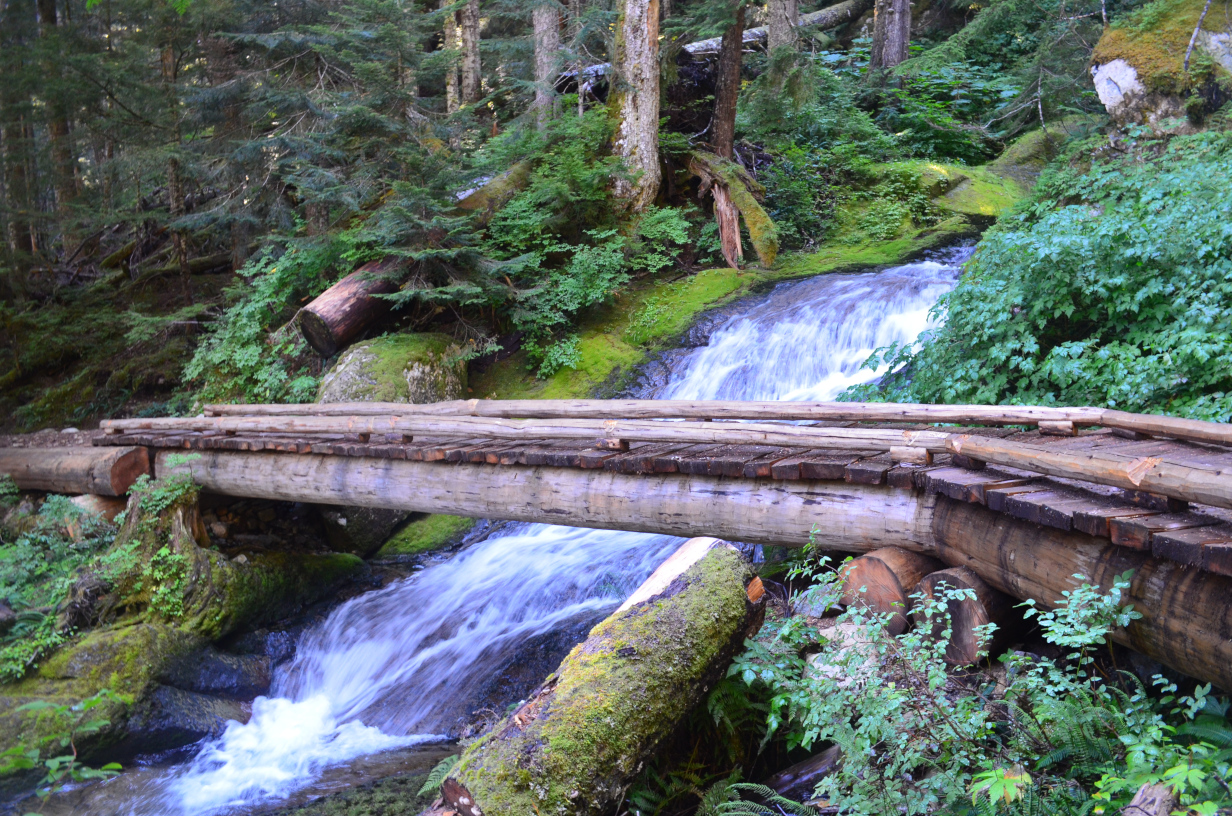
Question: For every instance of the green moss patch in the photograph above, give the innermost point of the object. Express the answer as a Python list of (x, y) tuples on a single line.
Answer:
[(426, 533), (1154, 39)]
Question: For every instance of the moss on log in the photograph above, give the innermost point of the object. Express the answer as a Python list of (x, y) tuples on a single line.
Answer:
[(582, 737)]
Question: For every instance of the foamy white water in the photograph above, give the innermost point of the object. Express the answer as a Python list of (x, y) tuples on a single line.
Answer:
[(388, 668)]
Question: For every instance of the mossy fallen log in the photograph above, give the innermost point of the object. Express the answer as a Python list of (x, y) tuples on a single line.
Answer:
[(577, 744)]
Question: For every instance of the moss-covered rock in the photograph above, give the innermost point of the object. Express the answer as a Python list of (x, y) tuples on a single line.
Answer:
[(1138, 65), (426, 533), (411, 368), (359, 530), (580, 740)]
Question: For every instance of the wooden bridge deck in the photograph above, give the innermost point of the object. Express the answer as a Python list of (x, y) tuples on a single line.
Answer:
[(1197, 535)]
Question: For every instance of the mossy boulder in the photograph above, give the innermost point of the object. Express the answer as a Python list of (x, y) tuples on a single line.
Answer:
[(1139, 70), (359, 530), (587, 732), (410, 368), (425, 533)]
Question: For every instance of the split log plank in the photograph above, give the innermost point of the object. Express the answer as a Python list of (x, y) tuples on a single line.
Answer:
[(1136, 532), (73, 470)]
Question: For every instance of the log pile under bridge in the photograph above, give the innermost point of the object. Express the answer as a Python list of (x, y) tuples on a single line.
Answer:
[(1021, 498)]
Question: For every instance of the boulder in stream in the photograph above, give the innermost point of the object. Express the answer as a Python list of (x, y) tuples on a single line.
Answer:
[(579, 740)]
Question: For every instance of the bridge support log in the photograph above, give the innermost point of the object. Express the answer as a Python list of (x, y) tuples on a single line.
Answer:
[(849, 517), (1187, 613), (102, 471)]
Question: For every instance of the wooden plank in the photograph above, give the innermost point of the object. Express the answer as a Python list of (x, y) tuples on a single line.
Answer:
[(996, 498), (642, 459), (1060, 515), (732, 461), (1135, 532), (762, 466), (869, 470), (1150, 474), (1095, 521), (1218, 558), (1189, 545), (1029, 505)]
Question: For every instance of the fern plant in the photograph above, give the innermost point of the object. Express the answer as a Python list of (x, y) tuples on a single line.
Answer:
[(436, 776)]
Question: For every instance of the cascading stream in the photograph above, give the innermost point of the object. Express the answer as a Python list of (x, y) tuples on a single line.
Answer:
[(387, 669)]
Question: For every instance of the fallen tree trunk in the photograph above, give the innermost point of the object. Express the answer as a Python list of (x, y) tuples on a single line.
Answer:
[(735, 191), (105, 471), (883, 581), (848, 517), (800, 780), (829, 17), (969, 641), (1187, 613), (342, 311), (582, 738)]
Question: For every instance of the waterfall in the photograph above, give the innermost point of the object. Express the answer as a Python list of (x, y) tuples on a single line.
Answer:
[(387, 669)]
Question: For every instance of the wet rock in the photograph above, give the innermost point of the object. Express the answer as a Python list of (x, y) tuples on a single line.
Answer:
[(171, 717), (236, 677), (411, 368), (275, 646)]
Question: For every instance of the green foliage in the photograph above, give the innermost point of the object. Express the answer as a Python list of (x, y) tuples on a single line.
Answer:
[(9, 491), (64, 769), (1111, 289), (437, 775), (916, 739)]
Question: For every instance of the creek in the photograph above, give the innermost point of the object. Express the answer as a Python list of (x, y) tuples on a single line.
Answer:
[(392, 676)]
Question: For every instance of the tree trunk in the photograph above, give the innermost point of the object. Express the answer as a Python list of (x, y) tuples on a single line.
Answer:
[(782, 18), (451, 73), (635, 101), (348, 307), (727, 88), (883, 581), (891, 32), (64, 175), (967, 644), (546, 18), (728, 218), (582, 738), (471, 89)]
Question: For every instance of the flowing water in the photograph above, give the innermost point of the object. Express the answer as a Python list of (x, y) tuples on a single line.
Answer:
[(389, 669)]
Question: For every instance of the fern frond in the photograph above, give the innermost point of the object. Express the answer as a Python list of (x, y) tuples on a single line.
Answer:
[(437, 775)]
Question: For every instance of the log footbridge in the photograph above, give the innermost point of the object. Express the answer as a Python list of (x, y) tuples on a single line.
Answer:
[(1022, 498)]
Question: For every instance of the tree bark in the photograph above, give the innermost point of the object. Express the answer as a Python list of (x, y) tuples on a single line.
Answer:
[(546, 19), (582, 738), (728, 218), (342, 311), (635, 102), (64, 171), (451, 73), (782, 18), (883, 581), (727, 90), (891, 32), (471, 87)]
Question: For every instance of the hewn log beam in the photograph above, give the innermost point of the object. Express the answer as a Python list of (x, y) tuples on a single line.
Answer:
[(729, 433), (104, 471), (1187, 613), (848, 517)]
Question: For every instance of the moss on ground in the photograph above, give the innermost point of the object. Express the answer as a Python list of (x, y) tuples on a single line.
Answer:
[(425, 534), (614, 697), (1154, 39)]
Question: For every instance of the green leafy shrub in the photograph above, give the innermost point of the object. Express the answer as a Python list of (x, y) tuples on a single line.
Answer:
[(1114, 288)]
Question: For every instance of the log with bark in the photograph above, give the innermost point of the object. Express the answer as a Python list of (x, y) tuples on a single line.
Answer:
[(883, 581), (344, 310), (734, 190), (800, 780), (634, 102), (581, 739), (826, 18), (105, 471), (969, 641)]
